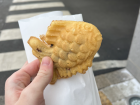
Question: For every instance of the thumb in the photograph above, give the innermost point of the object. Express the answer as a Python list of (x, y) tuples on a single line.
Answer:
[(44, 75)]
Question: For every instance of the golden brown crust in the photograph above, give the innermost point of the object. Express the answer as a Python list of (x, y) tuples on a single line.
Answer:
[(71, 45), (54, 79), (104, 99)]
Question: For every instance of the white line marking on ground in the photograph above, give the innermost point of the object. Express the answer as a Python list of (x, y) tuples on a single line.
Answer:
[(2, 100), (10, 34), (66, 13), (12, 60), (108, 64), (96, 55), (15, 18), (20, 1), (35, 6)]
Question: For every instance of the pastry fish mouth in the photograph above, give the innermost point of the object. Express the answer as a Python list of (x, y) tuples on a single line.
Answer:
[(39, 48)]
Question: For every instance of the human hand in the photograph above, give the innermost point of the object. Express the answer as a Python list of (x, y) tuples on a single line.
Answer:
[(19, 90)]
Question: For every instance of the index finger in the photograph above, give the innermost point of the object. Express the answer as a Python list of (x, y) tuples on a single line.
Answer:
[(31, 68)]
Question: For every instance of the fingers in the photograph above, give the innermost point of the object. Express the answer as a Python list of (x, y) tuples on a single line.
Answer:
[(19, 80), (25, 64), (34, 90), (27, 71), (44, 75), (31, 68), (24, 74)]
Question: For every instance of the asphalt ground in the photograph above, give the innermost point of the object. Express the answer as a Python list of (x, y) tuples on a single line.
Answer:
[(115, 19)]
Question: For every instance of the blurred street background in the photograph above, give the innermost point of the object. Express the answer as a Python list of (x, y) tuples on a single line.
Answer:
[(116, 20)]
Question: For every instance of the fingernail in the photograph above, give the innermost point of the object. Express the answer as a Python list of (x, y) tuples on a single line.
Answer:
[(46, 61)]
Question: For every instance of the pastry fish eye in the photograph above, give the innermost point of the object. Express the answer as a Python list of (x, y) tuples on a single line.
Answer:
[(67, 68), (51, 45), (39, 50)]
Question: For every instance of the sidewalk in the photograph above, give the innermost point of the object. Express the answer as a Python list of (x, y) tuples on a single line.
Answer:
[(118, 86)]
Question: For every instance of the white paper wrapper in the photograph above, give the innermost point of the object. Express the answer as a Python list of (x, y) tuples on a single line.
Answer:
[(80, 89)]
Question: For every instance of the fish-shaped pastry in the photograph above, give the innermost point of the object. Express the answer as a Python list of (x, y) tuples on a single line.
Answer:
[(70, 44)]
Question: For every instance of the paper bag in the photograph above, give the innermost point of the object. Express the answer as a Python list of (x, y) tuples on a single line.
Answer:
[(80, 89)]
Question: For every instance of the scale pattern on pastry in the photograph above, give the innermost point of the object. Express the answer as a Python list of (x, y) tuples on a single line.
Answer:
[(71, 45)]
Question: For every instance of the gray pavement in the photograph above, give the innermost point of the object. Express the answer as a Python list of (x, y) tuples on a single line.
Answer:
[(2, 100)]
